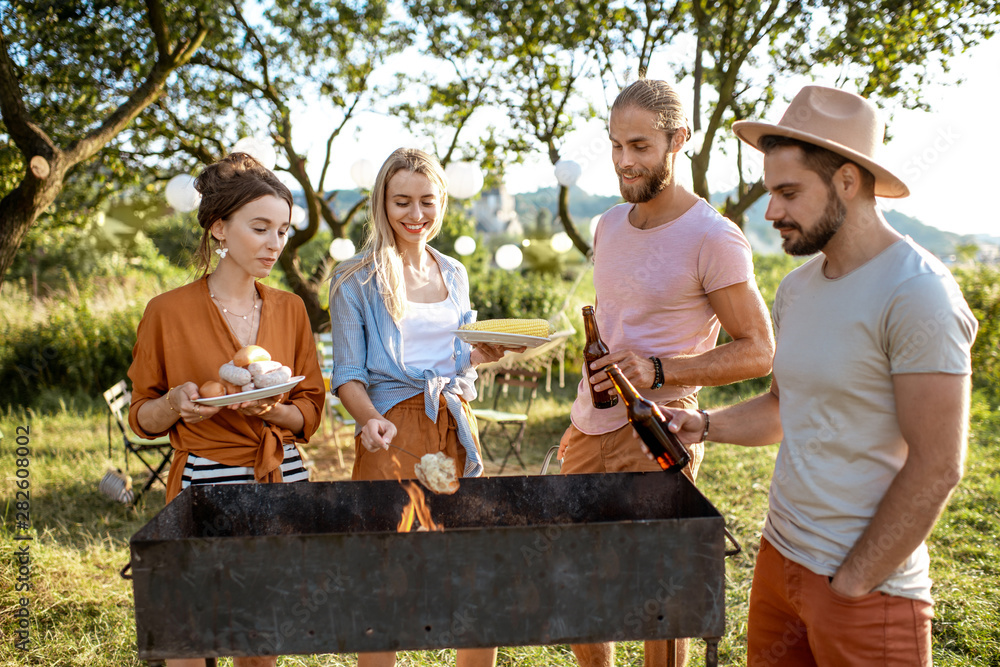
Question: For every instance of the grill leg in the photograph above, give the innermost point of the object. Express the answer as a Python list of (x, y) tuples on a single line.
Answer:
[(671, 653), (711, 652)]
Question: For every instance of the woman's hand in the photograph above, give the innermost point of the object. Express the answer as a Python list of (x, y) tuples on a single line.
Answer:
[(181, 398), (257, 408), (484, 353), (377, 433)]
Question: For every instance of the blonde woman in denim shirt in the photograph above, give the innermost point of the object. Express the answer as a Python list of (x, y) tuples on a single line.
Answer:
[(400, 372)]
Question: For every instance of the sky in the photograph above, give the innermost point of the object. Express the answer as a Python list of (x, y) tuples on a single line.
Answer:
[(947, 156)]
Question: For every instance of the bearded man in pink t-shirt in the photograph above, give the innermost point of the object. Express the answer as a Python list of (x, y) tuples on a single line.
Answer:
[(669, 272)]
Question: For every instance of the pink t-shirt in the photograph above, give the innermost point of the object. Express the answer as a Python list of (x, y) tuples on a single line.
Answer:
[(652, 294)]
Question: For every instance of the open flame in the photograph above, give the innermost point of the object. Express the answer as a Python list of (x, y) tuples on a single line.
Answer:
[(416, 509)]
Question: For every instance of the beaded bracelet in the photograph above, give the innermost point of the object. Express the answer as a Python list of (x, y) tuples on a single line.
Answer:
[(658, 368)]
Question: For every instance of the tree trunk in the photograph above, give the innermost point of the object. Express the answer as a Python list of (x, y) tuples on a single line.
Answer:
[(306, 289), (567, 222), (699, 174), (19, 210), (736, 209)]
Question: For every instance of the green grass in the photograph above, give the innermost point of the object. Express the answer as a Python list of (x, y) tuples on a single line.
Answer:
[(82, 610)]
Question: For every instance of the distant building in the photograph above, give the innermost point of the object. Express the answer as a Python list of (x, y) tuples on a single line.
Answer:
[(495, 214), (989, 253)]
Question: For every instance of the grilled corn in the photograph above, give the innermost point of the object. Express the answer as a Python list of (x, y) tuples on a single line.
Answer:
[(536, 327)]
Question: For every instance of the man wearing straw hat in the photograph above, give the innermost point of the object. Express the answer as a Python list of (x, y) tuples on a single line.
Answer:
[(872, 359)]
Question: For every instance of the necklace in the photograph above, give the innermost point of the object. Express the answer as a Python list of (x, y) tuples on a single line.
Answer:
[(226, 310), (252, 315)]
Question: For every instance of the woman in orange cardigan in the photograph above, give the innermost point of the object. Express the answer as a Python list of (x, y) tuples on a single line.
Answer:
[(186, 334)]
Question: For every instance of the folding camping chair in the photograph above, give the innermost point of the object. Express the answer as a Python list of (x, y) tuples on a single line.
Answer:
[(155, 454), (511, 424)]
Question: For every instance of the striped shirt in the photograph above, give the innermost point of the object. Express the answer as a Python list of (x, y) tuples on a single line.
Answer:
[(368, 348), (199, 470)]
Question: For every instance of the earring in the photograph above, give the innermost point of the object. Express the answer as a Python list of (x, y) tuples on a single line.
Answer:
[(221, 251)]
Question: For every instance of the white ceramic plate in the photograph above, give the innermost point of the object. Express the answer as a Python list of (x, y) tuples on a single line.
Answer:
[(498, 338), (253, 395)]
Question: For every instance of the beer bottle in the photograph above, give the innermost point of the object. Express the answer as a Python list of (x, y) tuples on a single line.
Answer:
[(649, 422), (592, 351)]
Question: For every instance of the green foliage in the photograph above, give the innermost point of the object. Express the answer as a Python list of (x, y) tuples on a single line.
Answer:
[(176, 237), (55, 256), (76, 352), (499, 294), (981, 287), (76, 62), (966, 252), (76, 343), (770, 270)]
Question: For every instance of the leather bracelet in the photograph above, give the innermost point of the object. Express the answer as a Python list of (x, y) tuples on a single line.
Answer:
[(658, 369), (704, 434)]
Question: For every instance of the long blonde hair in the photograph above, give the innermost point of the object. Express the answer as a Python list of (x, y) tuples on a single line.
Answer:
[(379, 250)]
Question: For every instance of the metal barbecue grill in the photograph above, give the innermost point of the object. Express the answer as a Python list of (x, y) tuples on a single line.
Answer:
[(319, 567)]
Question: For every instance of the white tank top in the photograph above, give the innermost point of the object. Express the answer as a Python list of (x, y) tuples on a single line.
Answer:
[(428, 341)]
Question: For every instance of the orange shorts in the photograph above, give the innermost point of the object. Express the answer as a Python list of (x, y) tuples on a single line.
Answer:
[(619, 451), (797, 619), (417, 434)]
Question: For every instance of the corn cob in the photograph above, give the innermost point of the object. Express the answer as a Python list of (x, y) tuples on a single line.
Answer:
[(536, 327)]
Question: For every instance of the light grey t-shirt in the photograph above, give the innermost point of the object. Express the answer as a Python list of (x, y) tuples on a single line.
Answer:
[(839, 342)]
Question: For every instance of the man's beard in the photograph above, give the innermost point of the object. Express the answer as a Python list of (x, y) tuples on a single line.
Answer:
[(816, 239), (651, 184)]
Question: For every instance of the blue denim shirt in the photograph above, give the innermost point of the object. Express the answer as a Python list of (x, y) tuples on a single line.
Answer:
[(368, 347)]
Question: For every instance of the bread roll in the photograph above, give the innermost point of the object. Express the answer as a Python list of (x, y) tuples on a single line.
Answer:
[(250, 354), (211, 389)]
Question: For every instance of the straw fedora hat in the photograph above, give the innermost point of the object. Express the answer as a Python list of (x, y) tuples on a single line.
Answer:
[(842, 122)]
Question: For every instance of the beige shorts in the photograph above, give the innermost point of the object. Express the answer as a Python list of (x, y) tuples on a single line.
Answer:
[(417, 434)]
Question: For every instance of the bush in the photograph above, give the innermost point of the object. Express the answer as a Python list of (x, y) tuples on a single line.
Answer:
[(499, 294), (77, 343), (76, 352), (981, 287)]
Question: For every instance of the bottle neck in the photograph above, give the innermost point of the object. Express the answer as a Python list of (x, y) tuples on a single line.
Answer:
[(590, 326), (623, 386)]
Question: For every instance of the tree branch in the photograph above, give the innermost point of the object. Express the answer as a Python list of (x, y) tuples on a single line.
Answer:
[(29, 138), (161, 31), (258, 46), (567, 222), (140, 98), (333, 135)]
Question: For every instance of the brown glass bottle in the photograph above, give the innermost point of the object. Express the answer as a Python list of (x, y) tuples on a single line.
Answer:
[(592, 351), (649, 422)]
